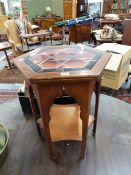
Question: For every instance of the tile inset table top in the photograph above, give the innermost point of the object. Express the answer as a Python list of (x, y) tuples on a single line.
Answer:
[(57, 59)]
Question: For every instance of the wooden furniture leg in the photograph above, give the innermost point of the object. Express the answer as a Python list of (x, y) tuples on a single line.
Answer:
[(10, 66), (97, 93), (80, 90), (32, 102), (45, 94)]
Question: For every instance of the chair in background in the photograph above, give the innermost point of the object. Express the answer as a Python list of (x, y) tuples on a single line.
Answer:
[(59, 34), (30, 30), (62, 36), (13, 36)]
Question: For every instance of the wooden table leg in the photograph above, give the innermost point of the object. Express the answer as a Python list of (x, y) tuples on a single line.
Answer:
[(32, 101), (47, 92), (82, 92), (97, 93)]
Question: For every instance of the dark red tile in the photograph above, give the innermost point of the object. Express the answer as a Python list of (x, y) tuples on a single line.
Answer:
[(49, 64), (75, 63)]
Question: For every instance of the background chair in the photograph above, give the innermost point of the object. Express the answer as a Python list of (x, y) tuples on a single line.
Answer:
[(59, 34), (13, 36), (30, 30), (62, 35)]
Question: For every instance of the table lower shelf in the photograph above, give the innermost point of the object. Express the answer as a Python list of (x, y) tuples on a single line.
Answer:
[(65, 123)]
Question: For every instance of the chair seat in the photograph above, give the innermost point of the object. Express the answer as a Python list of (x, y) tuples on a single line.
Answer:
[(65, 123)]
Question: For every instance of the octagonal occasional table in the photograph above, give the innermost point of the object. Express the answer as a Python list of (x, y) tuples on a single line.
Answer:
[(55, 71)]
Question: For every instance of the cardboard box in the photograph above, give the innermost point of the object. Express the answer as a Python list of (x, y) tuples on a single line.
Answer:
[(116, 70)]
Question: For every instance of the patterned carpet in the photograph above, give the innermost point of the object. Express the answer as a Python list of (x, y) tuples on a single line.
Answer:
[(11, 76), (7, 95), (124, 93)]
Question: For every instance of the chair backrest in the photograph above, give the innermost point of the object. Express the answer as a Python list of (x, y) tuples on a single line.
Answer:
[(12, 31), (126, 40), (29, 28), (13, 34)]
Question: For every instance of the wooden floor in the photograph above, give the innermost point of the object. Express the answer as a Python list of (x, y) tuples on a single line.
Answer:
[(108, 154)]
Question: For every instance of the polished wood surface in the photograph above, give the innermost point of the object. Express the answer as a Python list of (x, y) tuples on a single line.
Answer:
[(49, 85), (80, 33), (108, 153), (46, 22), (106, 7), (110, 8), (68, 9), (109, 22), (58, 76), (39, 34), (65, 122), (126, 40)]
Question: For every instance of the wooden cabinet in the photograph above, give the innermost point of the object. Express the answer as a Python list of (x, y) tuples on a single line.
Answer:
[(46, 22), (80, 33), (67, 9), (106, 7), (120, 7), (24, 7)]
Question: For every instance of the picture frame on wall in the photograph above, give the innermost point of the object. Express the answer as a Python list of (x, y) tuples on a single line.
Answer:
[(95, 9)]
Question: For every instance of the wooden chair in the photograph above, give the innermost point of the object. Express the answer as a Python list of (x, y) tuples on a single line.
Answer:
[(13, 36), (60, 34), (29, 30)]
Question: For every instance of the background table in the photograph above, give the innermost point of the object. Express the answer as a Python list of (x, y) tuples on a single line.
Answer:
[(109, 22), (97, 38)]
